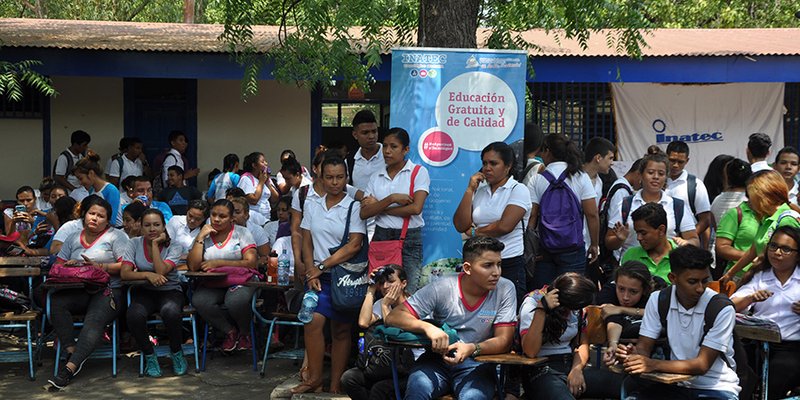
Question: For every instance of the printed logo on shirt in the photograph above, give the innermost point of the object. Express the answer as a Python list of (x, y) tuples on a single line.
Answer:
[(486, 317)]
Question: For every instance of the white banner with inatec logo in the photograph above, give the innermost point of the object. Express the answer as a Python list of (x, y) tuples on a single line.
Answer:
[(712, 119)]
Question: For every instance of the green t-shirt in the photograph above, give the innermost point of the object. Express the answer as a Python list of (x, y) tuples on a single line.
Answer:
[(741, 233), (768, 225), (661, 269)]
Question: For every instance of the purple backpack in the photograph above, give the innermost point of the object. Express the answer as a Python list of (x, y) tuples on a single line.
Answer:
[(561, 216)]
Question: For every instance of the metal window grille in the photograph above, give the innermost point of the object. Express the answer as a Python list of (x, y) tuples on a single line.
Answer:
[(30, 107), (791, 120)]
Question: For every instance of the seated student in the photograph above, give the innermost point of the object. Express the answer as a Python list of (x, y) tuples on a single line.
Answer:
[(126, 195), (481, 306), (241, 217), (650, 225), (143, 193), (550, 324), (25, 197), (280, 227), (622, 303), (99, 245), (280, 179), (178, 194), (255, 217), (152, 257), (772, 290), (183, 229), (707, 359), (132, 219), (390, 284), (225, 180), (43, 193)]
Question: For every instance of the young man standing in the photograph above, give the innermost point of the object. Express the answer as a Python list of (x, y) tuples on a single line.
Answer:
[(130, 162), (687, 187), (787, 163), (708, 357), (177, 194), (598, 158), (650, 225), (178, 145), (62, 169), (758, 146), (481, 306), (368, 159)]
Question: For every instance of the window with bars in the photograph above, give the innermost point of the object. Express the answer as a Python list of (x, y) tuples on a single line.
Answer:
[(30, 107)]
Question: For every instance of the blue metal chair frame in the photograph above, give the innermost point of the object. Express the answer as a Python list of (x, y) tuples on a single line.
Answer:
[(163, 350), (296, 354), (17, 356)]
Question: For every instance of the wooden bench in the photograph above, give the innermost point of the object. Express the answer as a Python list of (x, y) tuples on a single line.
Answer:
[(20, 272), (23, 261), (26, 316), (510, 359)]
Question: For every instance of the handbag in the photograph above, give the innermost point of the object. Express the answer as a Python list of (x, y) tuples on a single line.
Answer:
[(385, 252), (350, 279), (60, 273), (235, 276)]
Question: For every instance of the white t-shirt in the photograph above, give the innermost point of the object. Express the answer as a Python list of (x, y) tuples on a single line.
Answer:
[(129, 168), (137, 255), (363, 169), (180, 234), (381, 186), (80, 193), (688, 222), (280, 180), (271, 228), (172, 158), (777, 307), (239, 240), (328, 223), (61, 167), (107, 248), (248, 183), (67, 230), (259, 234), (685, 327), (679, 188), (474, 323), (724, 202), (562, 346), (488, 207), (793, 193)]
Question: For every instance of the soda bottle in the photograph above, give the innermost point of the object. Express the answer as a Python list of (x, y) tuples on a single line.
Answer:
[(361, 343), (310, 300)]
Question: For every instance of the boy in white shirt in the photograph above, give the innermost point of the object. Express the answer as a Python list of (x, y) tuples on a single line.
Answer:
[(681, 184), (709, 358), (481, 306)]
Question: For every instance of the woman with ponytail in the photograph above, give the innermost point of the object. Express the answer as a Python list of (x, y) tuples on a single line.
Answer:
[(90, 173), (551, 325)]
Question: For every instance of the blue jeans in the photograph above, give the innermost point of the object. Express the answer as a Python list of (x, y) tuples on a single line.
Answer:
[(431, 378), (555, 264), (513, 269), (412, 252), (635, 388)]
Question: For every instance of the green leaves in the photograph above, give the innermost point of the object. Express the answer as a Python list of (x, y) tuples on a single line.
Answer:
[(13, 76)]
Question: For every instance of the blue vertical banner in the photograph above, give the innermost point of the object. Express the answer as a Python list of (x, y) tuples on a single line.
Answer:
[(454, 102)]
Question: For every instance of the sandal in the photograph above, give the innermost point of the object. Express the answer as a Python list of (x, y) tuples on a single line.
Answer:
[(303, 374), (308, 387)]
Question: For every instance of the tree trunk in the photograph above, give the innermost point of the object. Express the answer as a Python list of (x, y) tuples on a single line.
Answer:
[(188, 11), (448, 23)]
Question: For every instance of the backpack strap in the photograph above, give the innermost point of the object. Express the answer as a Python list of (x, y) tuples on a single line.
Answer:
[(611, 192), (70, 163), (302, 196), (691, 188), (739, 214), (121, 163), (677, 209), (664, 297), (627, 202), (529, 167), (713, 308)]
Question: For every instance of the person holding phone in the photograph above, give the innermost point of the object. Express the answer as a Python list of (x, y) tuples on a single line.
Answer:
[(101, 246), (257, 185), (25, 214)]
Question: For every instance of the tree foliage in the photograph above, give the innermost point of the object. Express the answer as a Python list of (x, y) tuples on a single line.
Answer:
[(13, 77)]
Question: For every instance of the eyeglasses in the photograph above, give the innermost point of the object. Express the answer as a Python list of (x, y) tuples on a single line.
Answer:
[(783, 249)]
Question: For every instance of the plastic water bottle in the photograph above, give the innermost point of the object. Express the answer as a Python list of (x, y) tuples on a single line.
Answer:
[(310, 300), (283, 269), (361, 343)]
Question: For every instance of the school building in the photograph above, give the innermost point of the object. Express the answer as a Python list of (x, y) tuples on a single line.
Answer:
[(145, 79)]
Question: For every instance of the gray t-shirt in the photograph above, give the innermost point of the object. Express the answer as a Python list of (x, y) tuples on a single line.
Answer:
[(108, 248), (562, 346), (136, 256), (444, 302)]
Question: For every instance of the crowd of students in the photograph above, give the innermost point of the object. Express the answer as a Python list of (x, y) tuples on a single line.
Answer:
[(643, 247)]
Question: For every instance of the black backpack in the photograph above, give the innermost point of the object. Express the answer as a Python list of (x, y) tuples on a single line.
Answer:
[(70, 163), (747, 377), (376, 360)]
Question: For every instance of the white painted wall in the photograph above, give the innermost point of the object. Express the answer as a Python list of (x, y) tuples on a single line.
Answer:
[(21, 162), (277, 119)]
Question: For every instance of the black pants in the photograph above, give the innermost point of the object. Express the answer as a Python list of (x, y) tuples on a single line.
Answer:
[(168, 304), (784, 366), (358, 387), (99, 310), (549, 381)]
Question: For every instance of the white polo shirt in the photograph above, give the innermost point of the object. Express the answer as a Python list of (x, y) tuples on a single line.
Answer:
[(129, 168), (259, 235), (351, 191), (61, 167), (685, 328), (173, 157), (248, 183), (617, 199), (382, 186), (280, 180), (304, 181), (793, 193), (777, 307), (363, 169), (328, 223), (760, 166), (680, 188), (688, 223), (179, 232), (488, 207)]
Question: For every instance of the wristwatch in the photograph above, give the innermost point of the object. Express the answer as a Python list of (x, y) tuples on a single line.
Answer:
[(477, 351), (321, 266)]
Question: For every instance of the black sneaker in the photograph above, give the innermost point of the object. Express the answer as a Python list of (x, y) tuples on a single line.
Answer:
[(61, 380)]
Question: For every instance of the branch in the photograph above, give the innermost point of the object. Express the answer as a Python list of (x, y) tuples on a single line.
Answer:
[(137, 10)]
